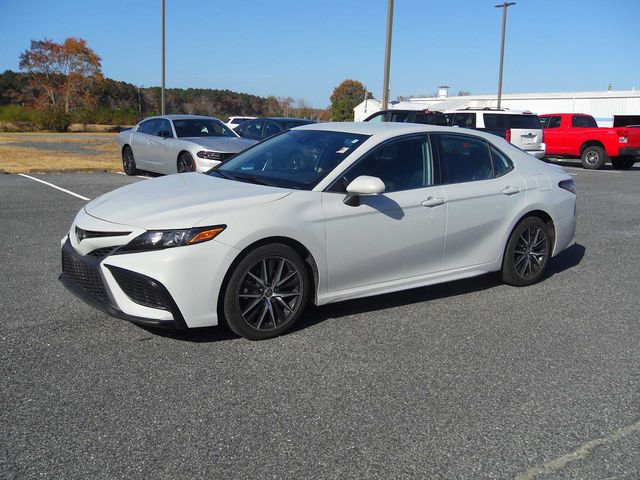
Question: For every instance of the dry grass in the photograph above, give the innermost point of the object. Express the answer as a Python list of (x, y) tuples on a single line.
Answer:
[(47, 152)]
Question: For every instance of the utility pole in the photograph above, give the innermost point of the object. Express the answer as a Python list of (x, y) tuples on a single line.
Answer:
[(162, 89), (387, 56), (504, 7)]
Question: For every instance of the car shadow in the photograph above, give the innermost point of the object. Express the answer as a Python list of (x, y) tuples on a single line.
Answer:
[(578, 164), (566, 260)]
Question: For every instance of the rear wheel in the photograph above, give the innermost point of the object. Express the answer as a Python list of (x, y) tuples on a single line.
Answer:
[(185, 163), (128, 161), (623, 163), (267, 292), (593, 157), (527, 254)]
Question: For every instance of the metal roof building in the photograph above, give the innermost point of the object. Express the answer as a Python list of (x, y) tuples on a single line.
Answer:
[(604, 106)]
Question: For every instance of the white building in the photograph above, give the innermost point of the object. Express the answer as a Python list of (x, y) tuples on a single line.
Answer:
[(604, 106)]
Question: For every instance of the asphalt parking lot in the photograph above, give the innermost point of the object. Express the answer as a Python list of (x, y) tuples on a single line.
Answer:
[(467, 380)]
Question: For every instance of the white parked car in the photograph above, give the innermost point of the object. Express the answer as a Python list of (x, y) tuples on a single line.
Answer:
[(522, 128), (318, 214), (178, 143)]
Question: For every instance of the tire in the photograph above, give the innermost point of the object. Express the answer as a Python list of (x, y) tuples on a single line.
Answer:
[(593, 157), (622, 163), (128, 161), (266, 293), (185, 163), (527, 253)]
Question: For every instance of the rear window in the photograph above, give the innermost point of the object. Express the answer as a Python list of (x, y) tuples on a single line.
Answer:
[(550, 122), (524, 121)]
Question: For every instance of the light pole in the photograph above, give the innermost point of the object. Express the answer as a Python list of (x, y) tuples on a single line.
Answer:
[(504, 7), (162, 89), (387, 56)]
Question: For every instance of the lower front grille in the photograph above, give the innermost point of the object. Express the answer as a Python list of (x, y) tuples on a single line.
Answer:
[(84, 276), (141, 289)]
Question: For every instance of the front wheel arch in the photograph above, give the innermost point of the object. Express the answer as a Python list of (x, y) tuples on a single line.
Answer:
[(299, 248)]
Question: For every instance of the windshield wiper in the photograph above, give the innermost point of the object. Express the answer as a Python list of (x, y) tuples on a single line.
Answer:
[(248, 179)]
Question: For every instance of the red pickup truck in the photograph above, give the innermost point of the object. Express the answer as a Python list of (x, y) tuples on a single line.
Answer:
[(577, 135)]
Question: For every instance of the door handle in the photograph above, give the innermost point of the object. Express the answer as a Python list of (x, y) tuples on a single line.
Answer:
[(510, 190), (433, 202)]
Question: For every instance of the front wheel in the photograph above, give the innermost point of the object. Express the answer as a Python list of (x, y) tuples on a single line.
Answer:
[(593, 157), (267, 292), (527, 254), (186, 163), (623, 163)]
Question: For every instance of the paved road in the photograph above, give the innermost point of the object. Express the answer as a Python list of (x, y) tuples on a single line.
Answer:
[(468, 380)]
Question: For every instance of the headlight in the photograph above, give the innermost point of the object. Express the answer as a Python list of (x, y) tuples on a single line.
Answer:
[(159, 239), (208, 155)]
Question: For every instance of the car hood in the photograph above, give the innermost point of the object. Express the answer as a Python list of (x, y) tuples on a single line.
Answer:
[(178, 201), (221, 144)]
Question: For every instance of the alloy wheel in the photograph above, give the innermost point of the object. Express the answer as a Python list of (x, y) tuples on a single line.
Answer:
[(592, 158), (270, 293), (531, 252)]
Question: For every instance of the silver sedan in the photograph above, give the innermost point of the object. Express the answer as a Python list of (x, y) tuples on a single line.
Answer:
[(178, 143)]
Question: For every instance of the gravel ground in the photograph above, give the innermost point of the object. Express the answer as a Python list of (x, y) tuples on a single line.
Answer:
[(466, 380)]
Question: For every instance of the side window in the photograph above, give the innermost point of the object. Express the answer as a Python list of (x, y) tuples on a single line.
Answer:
[(401, 165), (270, 128), (582, 121), (378, 117), (148, 126), (464, 158), (544, 122), (554, 122), (162, 125), (254, 130), (463, 120), (397, 116), (501, 164), (494, 120)]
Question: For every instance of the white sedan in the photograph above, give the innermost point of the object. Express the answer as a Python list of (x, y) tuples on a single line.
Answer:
[(178, 143), (319, 214)]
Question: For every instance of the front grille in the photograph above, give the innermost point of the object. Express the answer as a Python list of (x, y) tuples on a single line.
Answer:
[(82, 234), (101, 252), (84, 276), (140, 288), (221, 157)]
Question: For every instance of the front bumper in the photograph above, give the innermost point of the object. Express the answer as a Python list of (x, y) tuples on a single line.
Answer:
[(83, 277)]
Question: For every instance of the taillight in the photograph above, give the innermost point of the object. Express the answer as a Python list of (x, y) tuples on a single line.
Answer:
[(623, 135), (569, 185), (507, 135)]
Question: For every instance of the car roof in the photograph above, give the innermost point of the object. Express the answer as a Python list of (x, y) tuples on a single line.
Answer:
[(181, 117), (390, 129)]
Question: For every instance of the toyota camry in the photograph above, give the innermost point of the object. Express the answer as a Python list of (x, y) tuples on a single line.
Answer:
[(318, 214)]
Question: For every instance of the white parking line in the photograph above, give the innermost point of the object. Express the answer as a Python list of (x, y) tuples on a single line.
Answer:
[(139, 176), (54, 186)]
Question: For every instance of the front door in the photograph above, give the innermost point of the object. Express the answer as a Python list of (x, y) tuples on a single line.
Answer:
[(391, 236)]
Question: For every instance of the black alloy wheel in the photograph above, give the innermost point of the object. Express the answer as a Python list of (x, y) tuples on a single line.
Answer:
[(527, 254), (128, 161), (185, 163), (266, 293)]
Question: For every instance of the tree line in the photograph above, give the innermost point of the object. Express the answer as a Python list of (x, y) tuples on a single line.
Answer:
[(62, 83)]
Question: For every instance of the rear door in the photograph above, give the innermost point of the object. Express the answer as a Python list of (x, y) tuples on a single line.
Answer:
[(140, 142), (553, 134), (483, 195)]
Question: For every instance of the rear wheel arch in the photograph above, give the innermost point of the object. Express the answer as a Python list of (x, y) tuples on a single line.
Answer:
[(542, 215), (592, 143)]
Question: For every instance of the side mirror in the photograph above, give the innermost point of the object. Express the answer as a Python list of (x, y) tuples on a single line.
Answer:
[(165, 134), (363, 185)]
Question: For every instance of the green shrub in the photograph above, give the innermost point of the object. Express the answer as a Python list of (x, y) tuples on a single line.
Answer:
[(54, 119), (22, 118)]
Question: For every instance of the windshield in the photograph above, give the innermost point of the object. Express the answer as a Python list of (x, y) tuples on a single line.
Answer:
[(202, 127), (294, 159)]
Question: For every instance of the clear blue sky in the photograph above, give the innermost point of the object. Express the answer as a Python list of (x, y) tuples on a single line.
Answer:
[(304, 48)]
